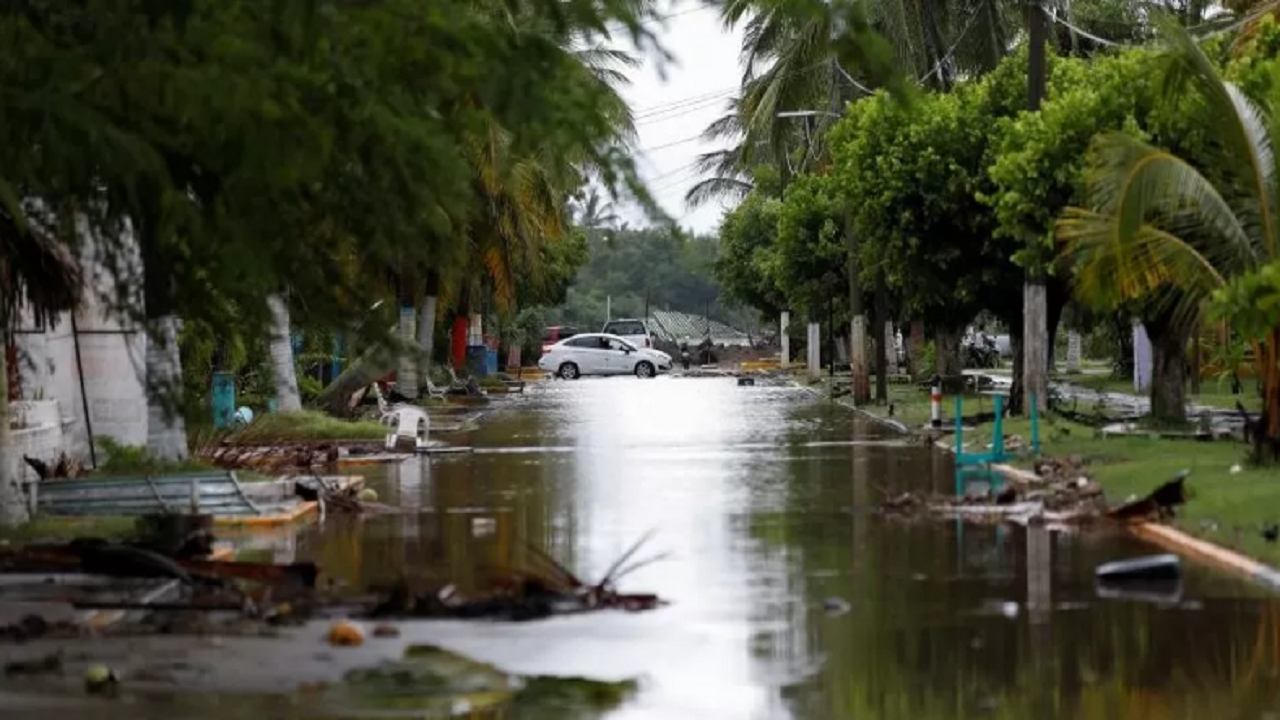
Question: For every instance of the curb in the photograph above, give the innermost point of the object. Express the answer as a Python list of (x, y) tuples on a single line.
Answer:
[(1207, 552), (1155, 533)]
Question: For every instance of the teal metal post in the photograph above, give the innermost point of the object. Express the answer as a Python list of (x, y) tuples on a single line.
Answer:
[(997, 438), (1035, 426), (959, 446), (222, 396)]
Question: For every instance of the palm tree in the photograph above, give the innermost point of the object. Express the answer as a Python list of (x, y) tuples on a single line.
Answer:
[(284, 371), (38, 274), (1168, 234)]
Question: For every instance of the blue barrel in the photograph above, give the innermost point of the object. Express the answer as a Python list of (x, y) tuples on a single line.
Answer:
[(478, 360), (222, 396), (491, 361)]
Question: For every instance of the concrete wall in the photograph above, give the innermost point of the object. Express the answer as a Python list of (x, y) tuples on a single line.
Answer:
[(113, 359)]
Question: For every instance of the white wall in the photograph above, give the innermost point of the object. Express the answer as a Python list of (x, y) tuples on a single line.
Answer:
[(112, 354)]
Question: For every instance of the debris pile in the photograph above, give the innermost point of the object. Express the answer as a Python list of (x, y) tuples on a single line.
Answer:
[(520, 596), (1063, 494), (63, 468)]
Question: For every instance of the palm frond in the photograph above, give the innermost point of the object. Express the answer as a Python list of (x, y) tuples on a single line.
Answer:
[(717, 188), (1139, 184), (1243, 131)]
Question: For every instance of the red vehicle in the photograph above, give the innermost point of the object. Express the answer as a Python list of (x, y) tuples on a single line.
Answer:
[(556, 333)]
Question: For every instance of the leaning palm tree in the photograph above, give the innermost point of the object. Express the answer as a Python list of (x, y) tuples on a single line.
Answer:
[(1168, 234)]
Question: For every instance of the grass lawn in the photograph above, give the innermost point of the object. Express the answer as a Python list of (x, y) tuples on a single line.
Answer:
[(50, 529), (305, 425)]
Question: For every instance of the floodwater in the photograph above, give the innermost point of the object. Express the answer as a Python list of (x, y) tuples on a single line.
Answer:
[(789, 597)]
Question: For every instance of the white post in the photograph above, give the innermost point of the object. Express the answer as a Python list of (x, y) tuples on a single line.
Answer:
[(784, 326), (814, 349), (608, 308), (1073, 351), (1141, 359), (935, 403)]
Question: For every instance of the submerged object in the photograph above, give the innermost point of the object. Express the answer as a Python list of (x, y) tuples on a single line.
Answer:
[(1151, 567)]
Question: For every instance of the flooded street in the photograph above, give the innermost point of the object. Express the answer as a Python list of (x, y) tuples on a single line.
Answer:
[(764, 495), (789, 597)]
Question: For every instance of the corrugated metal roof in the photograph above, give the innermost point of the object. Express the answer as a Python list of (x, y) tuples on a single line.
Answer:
[(677, 326)]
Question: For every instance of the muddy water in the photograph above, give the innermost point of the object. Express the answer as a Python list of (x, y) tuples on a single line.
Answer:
[(790, 599), (762, 495)]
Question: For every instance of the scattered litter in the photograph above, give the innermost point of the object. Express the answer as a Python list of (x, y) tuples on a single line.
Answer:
[(835, 606), (100, 679), (1166, 566), (345, 634)]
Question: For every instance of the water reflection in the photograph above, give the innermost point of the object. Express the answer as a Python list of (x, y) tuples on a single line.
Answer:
[(765, 496)]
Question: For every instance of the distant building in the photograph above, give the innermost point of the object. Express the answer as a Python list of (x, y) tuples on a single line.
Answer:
[(676, 327)]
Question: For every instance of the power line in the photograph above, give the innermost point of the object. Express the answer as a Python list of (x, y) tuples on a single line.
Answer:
[(673, 143), (682, 107)]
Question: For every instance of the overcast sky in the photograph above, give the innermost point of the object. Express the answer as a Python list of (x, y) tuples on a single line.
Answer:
[(671, 112)]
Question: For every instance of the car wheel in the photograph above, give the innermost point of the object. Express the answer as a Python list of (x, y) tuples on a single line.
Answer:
[(569, 371), (644, 369)]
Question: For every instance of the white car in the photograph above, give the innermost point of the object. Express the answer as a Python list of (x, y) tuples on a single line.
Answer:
[(633, 331), (602, 354)]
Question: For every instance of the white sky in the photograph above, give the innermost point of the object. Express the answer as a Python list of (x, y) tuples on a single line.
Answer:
[(670, 113)]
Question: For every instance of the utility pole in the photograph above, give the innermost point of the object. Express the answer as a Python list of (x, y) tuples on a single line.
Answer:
[(1035, 311)]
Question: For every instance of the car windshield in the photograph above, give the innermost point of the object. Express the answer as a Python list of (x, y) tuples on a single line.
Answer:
[(626, 328)]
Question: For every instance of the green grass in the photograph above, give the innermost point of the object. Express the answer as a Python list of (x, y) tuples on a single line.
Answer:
[(305, 425), (128, 460), (48, 529)]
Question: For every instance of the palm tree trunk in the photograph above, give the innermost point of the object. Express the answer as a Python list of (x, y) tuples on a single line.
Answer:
[(283, 369), (861, 382), (1270, 355), (1168, 370), (13, 506), (427, 323), (365, 370), (166, 428), (407, 366)]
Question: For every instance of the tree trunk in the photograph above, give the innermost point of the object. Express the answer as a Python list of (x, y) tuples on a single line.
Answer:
[(13, 504), (283, 368), (947, 347), (407, 364), (882, 352), (1195, 359), (427, 325), (1015, 390), (1035, 351), (458, 340), (1168, 371), (166, 428), (861, 383), (373, 365), (1269, 354), (915, 349)]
